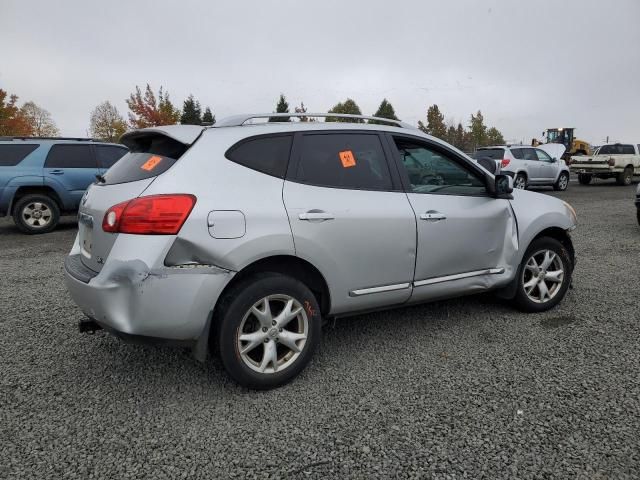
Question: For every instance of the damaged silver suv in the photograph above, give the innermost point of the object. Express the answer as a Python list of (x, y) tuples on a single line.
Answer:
[(243, 236)]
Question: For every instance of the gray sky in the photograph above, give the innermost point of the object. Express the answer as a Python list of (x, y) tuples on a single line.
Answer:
[(526, 64)]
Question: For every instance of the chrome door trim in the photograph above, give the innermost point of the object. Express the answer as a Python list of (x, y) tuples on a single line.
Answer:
[(383, 288), (458, 276)]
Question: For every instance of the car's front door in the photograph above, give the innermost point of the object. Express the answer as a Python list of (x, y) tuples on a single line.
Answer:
[(71, 168), (350, 218), (466, 238), (548, 168)]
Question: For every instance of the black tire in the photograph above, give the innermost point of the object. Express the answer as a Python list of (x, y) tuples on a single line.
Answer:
[(522, 300), (237, 304), (626, 177), (638, 216), (560, 185), (25, 221), (584, 178), (520, 179)]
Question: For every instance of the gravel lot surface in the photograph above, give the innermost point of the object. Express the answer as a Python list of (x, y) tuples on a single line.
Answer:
[(459, 389)]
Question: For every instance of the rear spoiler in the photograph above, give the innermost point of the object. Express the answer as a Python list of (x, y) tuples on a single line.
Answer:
[(184, 134)]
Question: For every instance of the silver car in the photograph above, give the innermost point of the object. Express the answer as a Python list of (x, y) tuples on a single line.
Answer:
[(243, 236)]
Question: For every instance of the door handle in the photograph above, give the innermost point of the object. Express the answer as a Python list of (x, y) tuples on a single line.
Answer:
[(57, 172), (315, 215), (433, 216)]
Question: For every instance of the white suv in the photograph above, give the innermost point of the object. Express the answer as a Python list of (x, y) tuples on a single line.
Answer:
[(528, 165)]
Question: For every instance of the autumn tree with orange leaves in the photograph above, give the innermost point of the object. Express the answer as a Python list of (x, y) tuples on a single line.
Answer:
[(12, 119), (149, 111)]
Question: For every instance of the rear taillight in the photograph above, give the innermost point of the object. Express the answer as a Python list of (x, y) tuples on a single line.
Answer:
[(505, 162), (612, 162), (152, 215)]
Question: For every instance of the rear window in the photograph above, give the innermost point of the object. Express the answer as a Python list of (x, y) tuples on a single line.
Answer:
[(108, 155), (70, 156), (268, 155), (149, 156), (493, 153), (616, 150), (11, 155)]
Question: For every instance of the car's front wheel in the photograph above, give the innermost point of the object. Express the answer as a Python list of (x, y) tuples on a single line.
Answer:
[(544, 275), (36, 213), (269, 326), (563, 182)]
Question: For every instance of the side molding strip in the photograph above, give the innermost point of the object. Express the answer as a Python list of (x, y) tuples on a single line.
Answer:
[(384, 288), (458, 276)]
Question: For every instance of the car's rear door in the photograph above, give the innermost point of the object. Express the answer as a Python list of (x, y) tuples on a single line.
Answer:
[(71, 167), (462, 232), (350, 218)]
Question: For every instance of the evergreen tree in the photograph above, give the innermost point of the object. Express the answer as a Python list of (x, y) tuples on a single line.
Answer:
[(494, 137), (478, 131), (385, 110), (303, 109), (281, 107), (208, 117), (435, 123), (191, 112), (348, 107)]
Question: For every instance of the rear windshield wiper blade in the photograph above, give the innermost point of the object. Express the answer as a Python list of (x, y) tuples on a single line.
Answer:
[(100, 179)]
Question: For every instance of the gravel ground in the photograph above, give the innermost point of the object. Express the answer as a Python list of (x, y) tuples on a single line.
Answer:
[(458, 389)]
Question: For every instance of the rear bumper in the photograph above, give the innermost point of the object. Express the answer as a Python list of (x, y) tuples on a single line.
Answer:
[(136, 302), (596, 169)]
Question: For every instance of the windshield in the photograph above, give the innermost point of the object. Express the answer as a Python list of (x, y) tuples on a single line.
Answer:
[(554, 136)]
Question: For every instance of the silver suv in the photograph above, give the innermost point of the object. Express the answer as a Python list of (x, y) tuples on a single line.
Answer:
[(530, 166), (242, 237)]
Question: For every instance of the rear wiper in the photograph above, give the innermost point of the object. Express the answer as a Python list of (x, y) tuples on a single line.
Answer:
[(100, 178)]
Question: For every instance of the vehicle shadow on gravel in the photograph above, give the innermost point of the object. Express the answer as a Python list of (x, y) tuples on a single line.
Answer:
[(66, 224)]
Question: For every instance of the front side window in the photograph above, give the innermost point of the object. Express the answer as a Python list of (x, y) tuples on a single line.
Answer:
[(436, 172), (268, 155), (542, 155), (108, 155), (70, 156), (343, 160)]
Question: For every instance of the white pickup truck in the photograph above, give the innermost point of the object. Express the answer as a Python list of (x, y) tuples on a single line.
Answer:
[(612, 160)]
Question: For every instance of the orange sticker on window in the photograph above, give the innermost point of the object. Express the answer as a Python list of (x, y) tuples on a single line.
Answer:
[(347, 159), (151, 163)]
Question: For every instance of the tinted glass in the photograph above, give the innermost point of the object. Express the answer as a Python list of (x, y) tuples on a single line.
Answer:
[(543, 156), (615, 149), (493, 153), (437, 173), (70, 156), (11, 155), (517, 153), (108, 155), (150, 156), (627, 150), (345, 161), (529, 154), (266, 154)]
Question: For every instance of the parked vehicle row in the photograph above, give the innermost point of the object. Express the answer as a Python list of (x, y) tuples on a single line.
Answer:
[(612, 160), (42, 178), (244, 237), (530, 166)]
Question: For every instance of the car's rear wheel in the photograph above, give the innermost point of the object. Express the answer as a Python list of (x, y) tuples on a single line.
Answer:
[(36, 213), (625, 177), (520, 182), (562, 183), (269, 327), (584, 178), (544, 275)]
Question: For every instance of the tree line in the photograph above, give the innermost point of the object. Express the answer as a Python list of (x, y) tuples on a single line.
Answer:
[(146, 109)]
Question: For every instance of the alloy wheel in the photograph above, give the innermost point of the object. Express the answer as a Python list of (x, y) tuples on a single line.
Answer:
[(37, 214), (543, 275), (563, 182), (272, 334)]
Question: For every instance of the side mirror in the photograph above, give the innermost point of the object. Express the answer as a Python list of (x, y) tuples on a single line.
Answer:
[(503, 186), (554, 160)]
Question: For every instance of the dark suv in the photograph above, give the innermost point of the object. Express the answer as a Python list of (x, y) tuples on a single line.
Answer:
[(42, 178)]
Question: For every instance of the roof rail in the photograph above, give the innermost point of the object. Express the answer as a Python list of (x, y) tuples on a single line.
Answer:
[(79, 139), (239, 120)]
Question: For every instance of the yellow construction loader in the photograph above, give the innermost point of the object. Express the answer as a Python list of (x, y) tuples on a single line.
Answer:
[(565, 137)]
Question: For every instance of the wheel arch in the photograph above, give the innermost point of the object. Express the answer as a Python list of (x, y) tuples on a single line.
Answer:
[(25, 190), (560, 235)]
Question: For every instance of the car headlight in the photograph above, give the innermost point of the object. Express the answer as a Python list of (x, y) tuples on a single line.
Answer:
[(572, 211)]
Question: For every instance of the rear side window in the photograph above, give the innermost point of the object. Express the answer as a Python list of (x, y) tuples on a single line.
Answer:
[(338, 160), (108, 155), (493, 153), (149, 156), (11, 155), (70, 156), (268, 155), (517, 153)]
